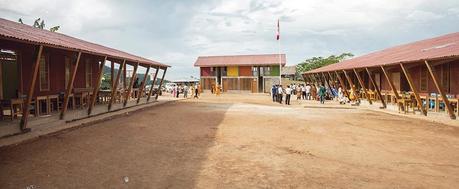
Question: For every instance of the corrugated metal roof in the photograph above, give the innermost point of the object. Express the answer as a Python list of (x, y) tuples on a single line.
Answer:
[(435, 48), (289, 70), (240, 60), (29, 34)]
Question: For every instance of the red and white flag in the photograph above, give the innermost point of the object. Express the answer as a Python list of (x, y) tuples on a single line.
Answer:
[(278, 30)]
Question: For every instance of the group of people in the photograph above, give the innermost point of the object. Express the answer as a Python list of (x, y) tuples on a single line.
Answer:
[(185, 90), (308, 92)]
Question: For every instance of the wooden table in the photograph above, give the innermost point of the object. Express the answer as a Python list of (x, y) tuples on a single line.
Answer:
[(104, 96), (15, 106), (39, 99), (51, 99)]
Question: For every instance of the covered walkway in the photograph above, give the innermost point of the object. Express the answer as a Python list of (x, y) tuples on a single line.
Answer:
[(417, 77), (44, 74)]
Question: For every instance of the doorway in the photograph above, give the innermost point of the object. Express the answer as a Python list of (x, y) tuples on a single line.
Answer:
[(9, 75)]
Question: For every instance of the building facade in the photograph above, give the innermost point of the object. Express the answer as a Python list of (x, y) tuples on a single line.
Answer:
[(240, 73), (421, 75)]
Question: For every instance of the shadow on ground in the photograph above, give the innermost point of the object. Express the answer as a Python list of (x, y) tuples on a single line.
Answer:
[(161, 147)]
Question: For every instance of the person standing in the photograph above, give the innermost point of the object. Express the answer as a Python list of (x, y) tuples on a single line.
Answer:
[(288, 93), (322, 92), (174, 91), (307, 90), (279, 93), (196, 92), (274, 93), (185, 91), (177, 91), (299, 92)]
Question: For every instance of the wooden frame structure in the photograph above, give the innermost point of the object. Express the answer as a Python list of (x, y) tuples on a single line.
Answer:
[(74, 71)]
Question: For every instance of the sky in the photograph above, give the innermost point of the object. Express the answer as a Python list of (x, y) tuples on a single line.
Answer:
[(177, 32)]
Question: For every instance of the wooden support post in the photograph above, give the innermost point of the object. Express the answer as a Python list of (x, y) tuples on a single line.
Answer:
[(343, 85), (314, 80), (319, 79), (153, 84), (376, 88), (115, 86), (304, 78), (124, 77), (389, 80), (413, 88), (331, 78), (143, 84), (133, 78), (112, 73), (95, 91), (363, 86), (161, 83), (440, 90), (326, 82), (70, 87), (352, 85), (25, 114)]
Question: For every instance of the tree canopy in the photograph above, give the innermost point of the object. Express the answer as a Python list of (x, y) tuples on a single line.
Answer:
[(317, 62), (39, 23)]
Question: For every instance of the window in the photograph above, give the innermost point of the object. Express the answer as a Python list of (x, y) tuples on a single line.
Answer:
[(255, 71), (267, 71), (445, 77), (88, 71), (424, 79), (67, 71), (44, 74)]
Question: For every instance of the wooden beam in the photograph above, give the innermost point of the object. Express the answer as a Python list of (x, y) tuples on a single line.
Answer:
[(343, 85), (112, 72), (391, 84), (133, 78), (440, 90), (326, 81), (376, 87), (70, 87), (153, 84), (363, 86), (161, 83), (95, 91), (114, 88), (25, 116), (352, 85), (413, 88), (124, 77), (331, 78), (143, 84)]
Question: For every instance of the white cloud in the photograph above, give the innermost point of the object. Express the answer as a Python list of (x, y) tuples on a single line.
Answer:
[(176, 32)]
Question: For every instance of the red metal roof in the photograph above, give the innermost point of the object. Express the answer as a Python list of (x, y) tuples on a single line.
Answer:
[(29, 34), (445, 46), (240, 60)]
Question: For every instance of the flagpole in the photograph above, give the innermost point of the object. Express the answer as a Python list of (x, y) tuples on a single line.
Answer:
[(280, 62), (279, 50)]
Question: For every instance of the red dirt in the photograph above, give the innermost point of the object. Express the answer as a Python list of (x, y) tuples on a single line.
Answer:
[(240, 141)]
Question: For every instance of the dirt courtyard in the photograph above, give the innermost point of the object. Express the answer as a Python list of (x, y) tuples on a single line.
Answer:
[(240, 141)]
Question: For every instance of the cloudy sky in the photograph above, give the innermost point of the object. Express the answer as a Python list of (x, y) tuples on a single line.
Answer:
[(177, 32)]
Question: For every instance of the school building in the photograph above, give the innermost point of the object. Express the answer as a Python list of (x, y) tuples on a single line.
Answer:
[(240, 73), (46, 74), (421, 76)]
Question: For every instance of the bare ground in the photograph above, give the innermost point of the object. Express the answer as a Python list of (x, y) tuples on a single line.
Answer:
[(240, 141)]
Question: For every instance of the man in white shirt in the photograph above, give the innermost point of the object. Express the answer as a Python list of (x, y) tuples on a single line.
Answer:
[(288, 92), (280, 92), (308, 91)]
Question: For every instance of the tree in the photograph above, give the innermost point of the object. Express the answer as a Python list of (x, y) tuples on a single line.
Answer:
[(317, 62), (41, 24)]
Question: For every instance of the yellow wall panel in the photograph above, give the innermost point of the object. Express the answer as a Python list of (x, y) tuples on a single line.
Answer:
[(233, 71)]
